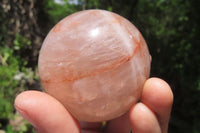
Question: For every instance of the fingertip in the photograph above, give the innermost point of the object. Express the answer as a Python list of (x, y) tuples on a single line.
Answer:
[(23, 103), (24, 99), (19, 99), (143, 120), (158, 96), (157, 91)]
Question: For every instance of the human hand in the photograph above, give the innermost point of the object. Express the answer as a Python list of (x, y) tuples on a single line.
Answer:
[(150, 115)]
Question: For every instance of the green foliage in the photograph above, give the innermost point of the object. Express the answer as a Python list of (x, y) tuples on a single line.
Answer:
[(92, 4), (171, 33), (21, 42), (13, 79), (9, 129), (14, 73), (13, 76), (19, 125), (7, 72), (56, 11)]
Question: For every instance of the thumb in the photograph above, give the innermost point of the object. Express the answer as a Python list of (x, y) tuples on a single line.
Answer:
[(45, 113)]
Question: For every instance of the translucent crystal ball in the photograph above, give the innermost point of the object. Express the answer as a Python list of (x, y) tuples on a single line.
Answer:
[(95, 63)]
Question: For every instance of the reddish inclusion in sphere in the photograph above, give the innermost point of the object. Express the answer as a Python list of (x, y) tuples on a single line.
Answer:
[(95, 63)]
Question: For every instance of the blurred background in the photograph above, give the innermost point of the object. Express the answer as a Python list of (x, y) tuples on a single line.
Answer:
[(171, 29)]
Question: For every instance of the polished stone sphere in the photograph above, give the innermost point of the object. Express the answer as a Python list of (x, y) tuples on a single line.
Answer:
[(95, 63)]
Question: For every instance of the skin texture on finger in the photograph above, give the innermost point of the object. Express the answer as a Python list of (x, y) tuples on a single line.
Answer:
[(143, 120), (157, 95), (45, 113), (119, 125)]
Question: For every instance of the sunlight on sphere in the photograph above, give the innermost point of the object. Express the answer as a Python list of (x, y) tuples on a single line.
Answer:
[(95, 63)]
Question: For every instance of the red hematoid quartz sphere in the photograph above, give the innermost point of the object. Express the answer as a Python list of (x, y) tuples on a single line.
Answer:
[(95, 63)]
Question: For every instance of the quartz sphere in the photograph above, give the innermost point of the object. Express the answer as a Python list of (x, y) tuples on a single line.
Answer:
[(95, 63)]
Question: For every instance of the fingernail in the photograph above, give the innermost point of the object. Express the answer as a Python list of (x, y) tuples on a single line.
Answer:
[(25, 115)]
